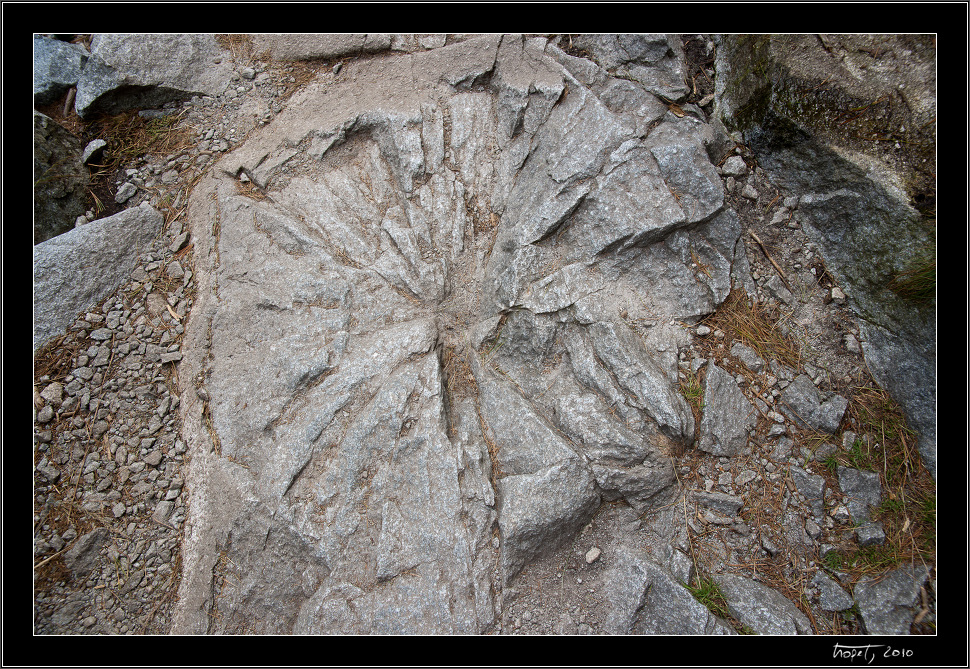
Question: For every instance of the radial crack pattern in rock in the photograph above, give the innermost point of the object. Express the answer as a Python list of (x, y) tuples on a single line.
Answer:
[(436, 327)]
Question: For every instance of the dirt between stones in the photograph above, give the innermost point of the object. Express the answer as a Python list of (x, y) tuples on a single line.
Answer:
[(557, 594)]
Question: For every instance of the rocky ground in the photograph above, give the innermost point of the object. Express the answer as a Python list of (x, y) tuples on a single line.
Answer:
[(109, 499)]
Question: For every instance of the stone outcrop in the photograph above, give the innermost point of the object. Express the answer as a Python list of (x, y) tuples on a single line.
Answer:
[(125, 71), (419, 360), (848, 124), (416, 382)]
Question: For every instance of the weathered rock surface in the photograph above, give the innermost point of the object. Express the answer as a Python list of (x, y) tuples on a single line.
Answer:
[(406, 208), (887, 604), (57, 67), (145, 71), (441, 302)]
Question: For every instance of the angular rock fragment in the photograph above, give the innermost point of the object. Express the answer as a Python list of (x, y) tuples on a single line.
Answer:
[(887, 605), (805, 404), (763, 610), (728, 415), (144, 71)]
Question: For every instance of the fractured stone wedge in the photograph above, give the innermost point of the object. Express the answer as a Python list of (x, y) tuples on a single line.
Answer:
[(887, 604), (539, 511), (804, 403), (728, 415), (762, 609)]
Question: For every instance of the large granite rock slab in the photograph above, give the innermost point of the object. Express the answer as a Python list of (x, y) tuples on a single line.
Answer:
[(417, 371), (126, 71)]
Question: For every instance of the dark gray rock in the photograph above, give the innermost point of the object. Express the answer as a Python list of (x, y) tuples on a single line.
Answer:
[(60, 179), (869, 205), (832, 596), (807, 405), (75, 270), (57, 67), (82, 556), (887, 604)]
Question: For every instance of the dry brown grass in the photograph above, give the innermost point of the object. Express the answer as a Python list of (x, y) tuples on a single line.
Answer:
[(130, 136), (755, 325)]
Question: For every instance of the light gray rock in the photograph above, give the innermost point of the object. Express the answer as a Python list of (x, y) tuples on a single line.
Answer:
[(863, 490), (308, 47), (748, 356), (762, 609), (665, 606), (729, 505), (812, 487), (144, 71), (414, 379), (537, 512), (734, 167), (93, 151), (728, 415), (74, 271), (654, 61), (804, 403), (887, 604)]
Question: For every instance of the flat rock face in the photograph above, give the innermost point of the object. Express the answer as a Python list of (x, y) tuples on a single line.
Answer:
[(436, 327)]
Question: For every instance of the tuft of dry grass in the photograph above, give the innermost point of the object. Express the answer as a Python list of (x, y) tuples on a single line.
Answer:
[(756, 325), (130, 136)]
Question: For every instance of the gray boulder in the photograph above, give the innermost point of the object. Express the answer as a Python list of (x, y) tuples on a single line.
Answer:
[(762, 609), (417, 378), (646, 599), (57, 67), (145, 71), (76, 270), (60, 179)]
